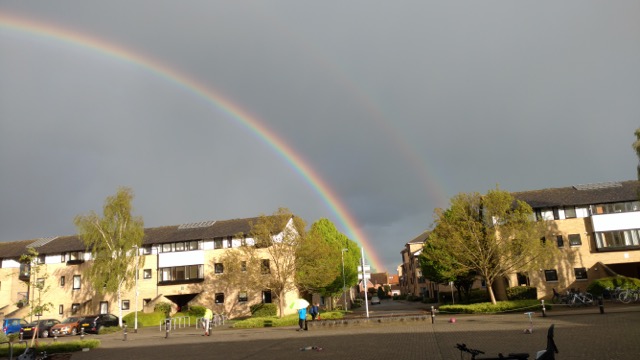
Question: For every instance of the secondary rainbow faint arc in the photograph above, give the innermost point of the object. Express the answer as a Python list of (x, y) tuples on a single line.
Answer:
[(247, 120)]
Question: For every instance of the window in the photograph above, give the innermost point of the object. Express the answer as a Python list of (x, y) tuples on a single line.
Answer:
[(74, 308), (146, 274), (166, 247), (76, 282), (189, 273), (574, 240), (265, 267), (243, 296), (40, 259), (581, 273), (195, 245), (217, 243), (570, 212), (125, 304), (61, 280), (560, 241), (60, 309), (551, 275), (146, 250), (620, 239), (219, 298), (180, 246), (219, 268), (104, 307)]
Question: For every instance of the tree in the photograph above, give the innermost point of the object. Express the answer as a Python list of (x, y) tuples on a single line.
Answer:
[(37, 282), (441, 268), (113, 240), (242, 273), (493, 236), (320, 259), (279, 237), (636, 147)]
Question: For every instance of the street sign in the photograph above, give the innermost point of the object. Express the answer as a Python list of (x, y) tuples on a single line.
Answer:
[(367, 268), (366, 276)]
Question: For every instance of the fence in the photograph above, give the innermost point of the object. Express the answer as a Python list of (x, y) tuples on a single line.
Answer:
[(175, 323)]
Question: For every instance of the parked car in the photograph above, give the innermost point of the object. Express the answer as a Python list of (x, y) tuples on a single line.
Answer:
[(95, 323), (375, 300), (42, 328), (68, 326), (12, 325)]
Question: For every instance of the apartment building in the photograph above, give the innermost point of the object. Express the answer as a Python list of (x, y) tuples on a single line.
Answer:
[(411, 281), (181, 265), (595, 226)]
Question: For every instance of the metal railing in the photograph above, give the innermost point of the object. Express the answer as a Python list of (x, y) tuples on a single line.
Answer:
[(176, 322)]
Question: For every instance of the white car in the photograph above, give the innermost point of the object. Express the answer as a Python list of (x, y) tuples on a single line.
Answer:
[(375, 300)]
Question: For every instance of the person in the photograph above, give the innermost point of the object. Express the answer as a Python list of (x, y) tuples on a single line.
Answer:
[(208, 315), (302, 319), (314, 311)]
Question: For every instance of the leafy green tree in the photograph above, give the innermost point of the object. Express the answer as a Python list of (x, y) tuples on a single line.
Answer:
[(492, 235), (441, 268), (636, 147), (320, 259), (113, 240), (37, 282), (279, 236)]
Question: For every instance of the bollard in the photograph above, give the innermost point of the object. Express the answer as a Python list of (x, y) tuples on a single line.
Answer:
[(433, 315), (601, 304), (81, 333), (55, 337), (124, 332), (167, 326), (544, 311)]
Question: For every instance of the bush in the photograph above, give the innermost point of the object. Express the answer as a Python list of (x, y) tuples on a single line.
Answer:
[(289, 320), (163, 307), (522, 293), (144, 319), (196, 311), (264, 310), (598, 287), (487, 307)]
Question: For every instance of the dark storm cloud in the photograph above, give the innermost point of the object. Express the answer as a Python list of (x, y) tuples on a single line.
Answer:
[(397, 106)]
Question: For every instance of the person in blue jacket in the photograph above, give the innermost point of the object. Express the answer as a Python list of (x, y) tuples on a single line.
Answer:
[(302, 319), (314, 311)]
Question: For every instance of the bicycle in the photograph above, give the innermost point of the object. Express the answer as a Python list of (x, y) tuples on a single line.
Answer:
[(628, 295), (558, 298), (547, 354), (579, 299)]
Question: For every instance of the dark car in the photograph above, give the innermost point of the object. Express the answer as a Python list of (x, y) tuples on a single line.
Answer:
[(95, 323), (12, 325), (68, 326), (42, 328)]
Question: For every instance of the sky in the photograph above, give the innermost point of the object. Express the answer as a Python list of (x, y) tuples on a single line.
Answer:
[(371, 114)]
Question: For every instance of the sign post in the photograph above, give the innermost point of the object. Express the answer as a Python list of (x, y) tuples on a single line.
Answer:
[(364, 276)]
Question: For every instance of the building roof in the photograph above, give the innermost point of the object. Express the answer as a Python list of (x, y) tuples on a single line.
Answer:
[(156, 235), (420, 239), (585, 194), (15, 248)]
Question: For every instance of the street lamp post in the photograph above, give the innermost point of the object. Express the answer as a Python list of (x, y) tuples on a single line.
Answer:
[(135, 316), (344, 281)]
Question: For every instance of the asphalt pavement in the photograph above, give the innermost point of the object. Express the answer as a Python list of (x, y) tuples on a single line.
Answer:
[(579, 334)]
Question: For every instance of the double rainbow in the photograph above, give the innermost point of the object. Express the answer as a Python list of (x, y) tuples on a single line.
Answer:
[(234, 112)]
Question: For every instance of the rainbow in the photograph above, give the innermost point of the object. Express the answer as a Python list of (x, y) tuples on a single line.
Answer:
[(234, 112)]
